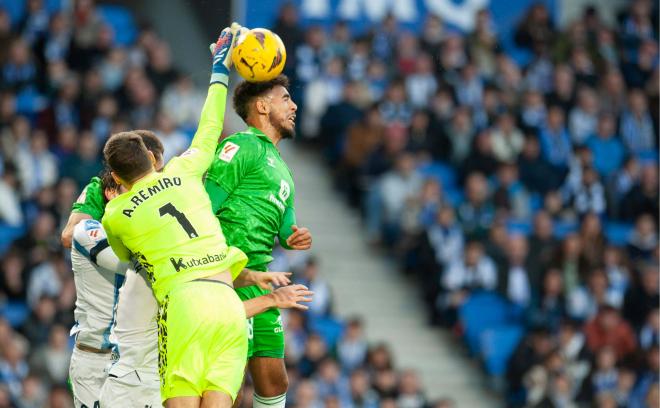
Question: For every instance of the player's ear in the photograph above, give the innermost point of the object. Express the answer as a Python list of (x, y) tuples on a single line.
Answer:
[(116, 178), (263, 107), (152, 158)]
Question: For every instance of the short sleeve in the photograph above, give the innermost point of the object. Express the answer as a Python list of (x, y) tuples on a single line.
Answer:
[(91, 200)]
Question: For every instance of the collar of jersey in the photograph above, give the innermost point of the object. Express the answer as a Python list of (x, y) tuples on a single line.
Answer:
[(259, 134), (144, 179)]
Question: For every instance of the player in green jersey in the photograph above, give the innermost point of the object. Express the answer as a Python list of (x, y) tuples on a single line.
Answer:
[(165, 221), (252, 193)]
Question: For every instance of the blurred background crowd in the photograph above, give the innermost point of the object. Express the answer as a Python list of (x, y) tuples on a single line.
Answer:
[(519, 188)]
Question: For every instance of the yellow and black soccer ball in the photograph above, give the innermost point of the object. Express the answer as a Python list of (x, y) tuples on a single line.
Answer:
[(259, 55)]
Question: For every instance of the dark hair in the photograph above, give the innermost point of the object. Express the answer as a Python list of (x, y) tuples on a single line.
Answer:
[(151, 142), (107, 182), (127, 156), (246, 91)]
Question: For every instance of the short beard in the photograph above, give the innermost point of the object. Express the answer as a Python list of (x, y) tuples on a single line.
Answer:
[(285, 133)]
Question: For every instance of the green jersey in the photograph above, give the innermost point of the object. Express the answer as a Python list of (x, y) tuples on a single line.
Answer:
[(91, 200), (257, 190), (165, 221)]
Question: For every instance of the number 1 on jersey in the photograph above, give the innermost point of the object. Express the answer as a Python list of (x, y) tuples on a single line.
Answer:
[(180, 217)]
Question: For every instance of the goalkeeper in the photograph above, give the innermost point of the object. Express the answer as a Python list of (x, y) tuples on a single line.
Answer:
[(252, 194), (165, 221)]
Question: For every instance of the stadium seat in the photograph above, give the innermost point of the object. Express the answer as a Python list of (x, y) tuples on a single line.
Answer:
[(454, 196), (327, 327), (482, 311), (15, 9), (8, 235), (617, 233), (440, 171), (648, 157), (121, 21), (15, 313), (497, 345), (523, 227)]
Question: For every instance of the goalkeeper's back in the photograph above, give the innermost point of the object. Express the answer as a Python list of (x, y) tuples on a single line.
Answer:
[(165, 220)]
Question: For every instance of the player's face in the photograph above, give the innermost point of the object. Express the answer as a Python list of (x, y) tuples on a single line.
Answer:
[(282, 112)]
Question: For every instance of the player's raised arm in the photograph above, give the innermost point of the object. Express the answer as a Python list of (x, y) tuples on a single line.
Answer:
[(198, 158)]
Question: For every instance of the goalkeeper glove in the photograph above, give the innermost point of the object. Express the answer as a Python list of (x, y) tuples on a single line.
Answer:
[(222, 54)]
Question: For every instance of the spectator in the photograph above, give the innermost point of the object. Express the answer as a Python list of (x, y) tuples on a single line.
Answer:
[(589, 195), (555, 142), (85, 163), (644, 197), (410, 393), (352, 348), (13, 367), (608, 329), (322, 303), (477, 212), (446, 237), (535, 172), (636, 124), (398, 188), (174, 141), (605, 376), (52, 360), (330, 382), (535, 31), (514, 281), (644, 238), (542, 246), (19, 70), (37, 167), (362, 395), (649, 334), (583, 119), (473, 272), (585, 300), (509, 194), (182, 102), (460, 132), (507, 139), (608, 151), (642, 297), (10, 209), (548, 307), (421, 85)]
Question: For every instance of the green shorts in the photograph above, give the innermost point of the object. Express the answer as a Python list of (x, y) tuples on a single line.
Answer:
[(265, 330), (202, 340)]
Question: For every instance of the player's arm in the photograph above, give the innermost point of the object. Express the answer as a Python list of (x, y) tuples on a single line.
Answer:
[(264, 280), (200, 154), (291, 236), (123, 253), (286, 297), (91, 241), (89, 205)]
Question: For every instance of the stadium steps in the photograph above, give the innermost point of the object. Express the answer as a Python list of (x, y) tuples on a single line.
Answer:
[(365, 284)]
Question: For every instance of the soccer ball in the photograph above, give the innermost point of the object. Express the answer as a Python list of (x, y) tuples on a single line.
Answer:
[(259, 55)]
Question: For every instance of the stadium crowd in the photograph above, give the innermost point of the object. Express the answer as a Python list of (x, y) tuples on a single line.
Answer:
[(518, 174), (69, 77), (515, 176)]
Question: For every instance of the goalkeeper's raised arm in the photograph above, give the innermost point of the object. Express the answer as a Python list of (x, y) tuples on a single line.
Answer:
[(200, 155)]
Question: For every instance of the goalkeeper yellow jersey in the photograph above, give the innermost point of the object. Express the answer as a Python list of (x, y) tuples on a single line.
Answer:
[(165, 221)]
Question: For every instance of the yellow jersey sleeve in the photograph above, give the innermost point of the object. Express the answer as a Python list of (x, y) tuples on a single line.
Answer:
[(197, 159)]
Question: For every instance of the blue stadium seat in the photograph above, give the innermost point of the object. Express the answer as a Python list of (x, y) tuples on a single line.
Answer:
[(29, 101), (482, 311), (454, 196), (15, 9), (327, 327), (617, 233), (15, 313), (497, 345), (8, 235), (440, 171), (121, 21), (523, 227), (648, 157)]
